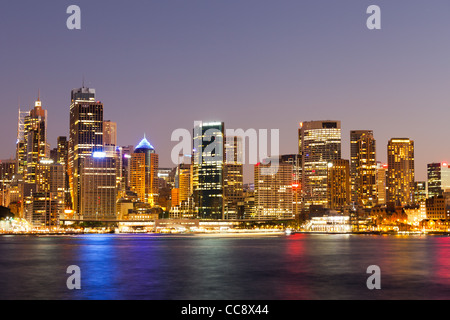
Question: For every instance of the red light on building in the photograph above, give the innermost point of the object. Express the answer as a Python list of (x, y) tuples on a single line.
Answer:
[(295, 185), (445, 164), (385, 166)]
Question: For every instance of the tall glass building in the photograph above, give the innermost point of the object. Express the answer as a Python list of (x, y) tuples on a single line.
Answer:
[(208, 169), (86, 136)]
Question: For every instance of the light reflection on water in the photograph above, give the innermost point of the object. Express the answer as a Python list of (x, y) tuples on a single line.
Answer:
[(175, 267)]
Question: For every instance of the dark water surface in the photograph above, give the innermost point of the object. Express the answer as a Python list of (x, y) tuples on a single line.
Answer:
[(197, 267)]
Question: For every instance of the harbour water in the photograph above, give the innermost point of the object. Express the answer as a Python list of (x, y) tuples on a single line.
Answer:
[(224, 267)]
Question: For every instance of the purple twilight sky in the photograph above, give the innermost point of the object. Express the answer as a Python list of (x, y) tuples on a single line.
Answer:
[(161, 65)]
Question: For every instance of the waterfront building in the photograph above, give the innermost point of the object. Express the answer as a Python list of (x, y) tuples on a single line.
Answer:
[(437, 208), (400, 174), (319, 143), (41, 210)]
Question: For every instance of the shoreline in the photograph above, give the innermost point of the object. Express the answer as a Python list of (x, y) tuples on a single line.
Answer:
[(237, 233)]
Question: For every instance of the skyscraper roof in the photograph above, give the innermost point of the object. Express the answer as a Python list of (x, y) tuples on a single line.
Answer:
[(144, 144)]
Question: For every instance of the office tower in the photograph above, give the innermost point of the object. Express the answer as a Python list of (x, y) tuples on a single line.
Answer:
[(364, 179), (144, 172), (381, 183), (62, 151), (273, 192), (62, 158), (7, 171), (420, 191), (98, 189), (51, 181), (338, 180), (400, 174), (126, 152), (35, 133), (86, 137), (109, 133), (296, 161), (355, 136), (319, 143), (21, 147), (208, 169), (438, 175), (233, 178)]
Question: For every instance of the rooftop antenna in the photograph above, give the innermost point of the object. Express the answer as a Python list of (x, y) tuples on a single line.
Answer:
[(83, 81)]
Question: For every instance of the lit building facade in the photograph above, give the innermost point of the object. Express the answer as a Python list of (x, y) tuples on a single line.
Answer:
[(35, 133), (355, 136), (51, 179), (438, 175), (233, 178), (144, 172), (400, 174), (98, 196), (273, 194), (381, 183), (338, 180), (86, 137), (208, 167), (319, 143), (363, 168)]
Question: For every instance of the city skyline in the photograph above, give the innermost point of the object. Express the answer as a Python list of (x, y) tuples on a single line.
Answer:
[(275, 66)]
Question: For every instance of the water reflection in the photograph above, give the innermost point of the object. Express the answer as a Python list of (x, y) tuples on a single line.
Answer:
[(224, 268)]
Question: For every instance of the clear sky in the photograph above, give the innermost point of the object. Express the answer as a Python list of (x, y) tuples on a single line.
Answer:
[(161, 65)]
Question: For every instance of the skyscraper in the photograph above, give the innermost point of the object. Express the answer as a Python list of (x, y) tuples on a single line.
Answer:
[(98, 189), (50, 180), (363, 167), (338, 184), (109, 133), (86, 136), (208, 169), (400, 174), (144, 172), (366, 167), (233, 181), (319, 143), (381, 183), (274, 197), (438, 175), (35, 134)]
